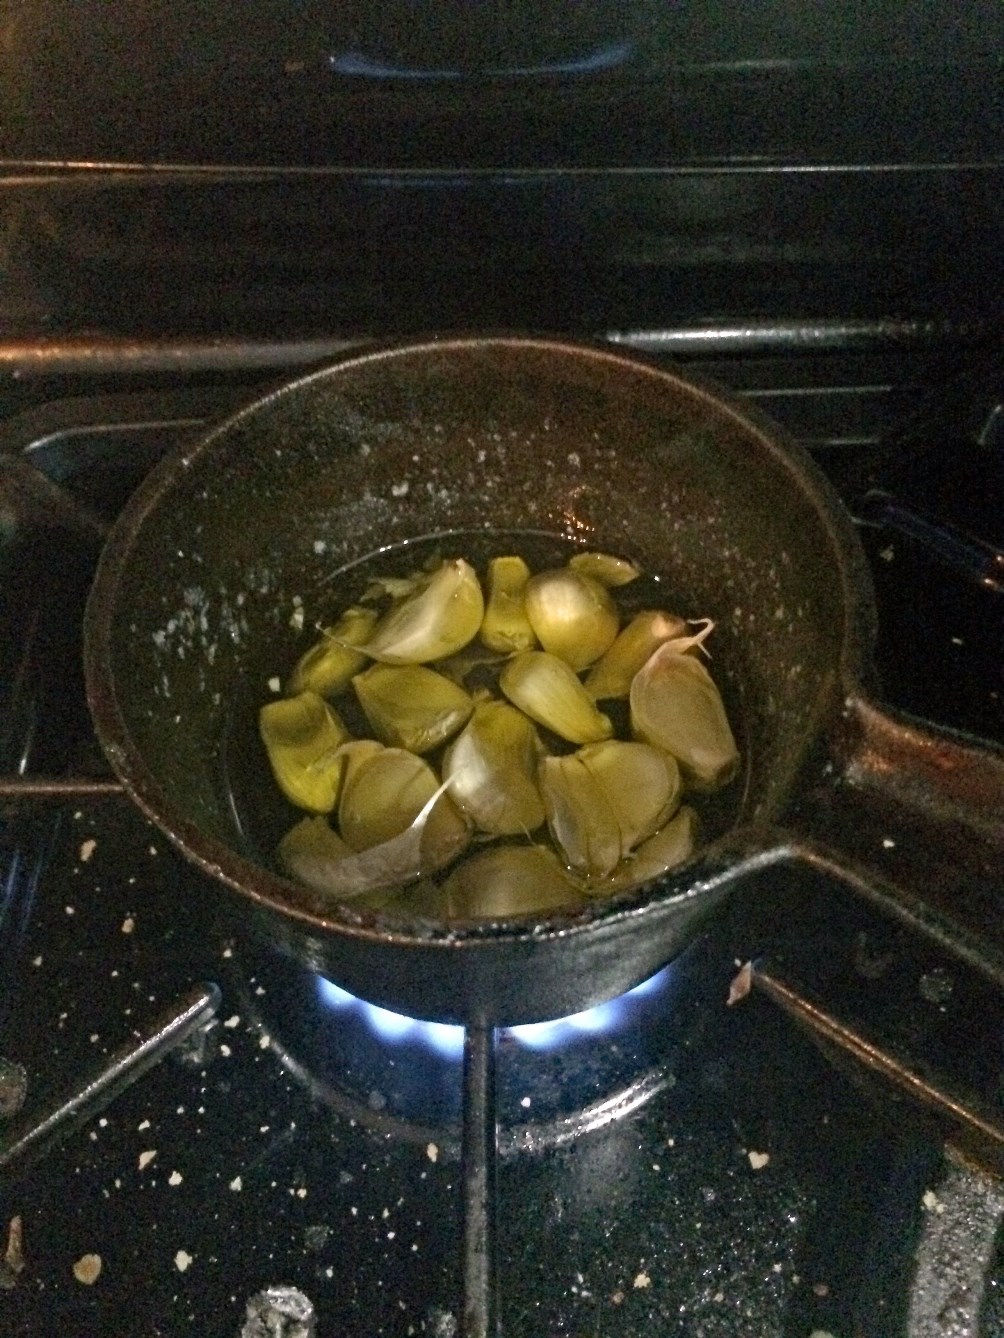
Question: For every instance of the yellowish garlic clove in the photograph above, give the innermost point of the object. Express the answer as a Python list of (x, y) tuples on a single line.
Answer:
[(676, 706), (411, 706), (505, 626), (507, 881), (573, 616), (354, 752), (328, 666), (383, 798), (605, 568), (547, 690), (664, 850), (579, 816), (492, 770), (432, 622), (612, 674), (641, 784), (301, 735)]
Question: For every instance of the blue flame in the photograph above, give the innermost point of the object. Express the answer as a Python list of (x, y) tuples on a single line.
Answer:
[(448, 1041)]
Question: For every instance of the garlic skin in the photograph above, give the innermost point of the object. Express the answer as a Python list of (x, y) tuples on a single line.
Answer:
[(547, 690), (411, 706), (579, 818), (383, 798), (329, 665), (432, 622), (612, 674), (492, 770), (505, 626), (301, 735), (573, 616), (676, 706)]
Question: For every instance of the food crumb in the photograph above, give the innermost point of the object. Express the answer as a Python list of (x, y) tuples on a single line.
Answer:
[(175, 1178), (758, 1160), (931, 1202), (719, 1297), (888, 843), (87, 849), (182, 1260), (145, 1158), (128, 925), (87, 1269), (432, 1151), (820, 1289), (617, 1298), (275, 684), (236, 1184), (232, 1021), (887, 554), (642, 1280), (400, 489)]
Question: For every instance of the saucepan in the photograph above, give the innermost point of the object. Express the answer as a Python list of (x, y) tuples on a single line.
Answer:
[(469, 442)]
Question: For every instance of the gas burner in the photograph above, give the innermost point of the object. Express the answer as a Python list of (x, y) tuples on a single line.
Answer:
[(556, 1079)]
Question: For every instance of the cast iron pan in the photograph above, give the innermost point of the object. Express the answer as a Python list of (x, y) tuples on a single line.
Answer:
[(190, 616)]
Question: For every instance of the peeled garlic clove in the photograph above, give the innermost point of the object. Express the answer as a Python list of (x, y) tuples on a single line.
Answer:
[(579, 816), (546, 688), (410, 706), (301, 735), (505, 626), (383, 798), (676, 706), (640, 783), (509, 880), (311, 838), (605, 568), (329, 665), (664, 850), (354, 752), (492, 770), (572, 616), (611, 675), (433, 622)]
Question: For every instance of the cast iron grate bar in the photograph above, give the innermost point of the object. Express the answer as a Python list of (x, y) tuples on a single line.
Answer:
[(478, 1157)]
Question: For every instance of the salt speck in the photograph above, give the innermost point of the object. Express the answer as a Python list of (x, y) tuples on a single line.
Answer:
[(297, 618), (143, 1124), (233, 1020), (182, 1260), (400, 489), (642, 1280), (237, 1184), (432, 1151), (525, 1103), (758, 1160), (888, 843), (931, 1202), (128, 925), (87, 849), (320, 546), (275, 684), (264, 1042), (145, 1158)]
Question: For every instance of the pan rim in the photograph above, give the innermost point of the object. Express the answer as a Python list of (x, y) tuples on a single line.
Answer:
[(271, 892)]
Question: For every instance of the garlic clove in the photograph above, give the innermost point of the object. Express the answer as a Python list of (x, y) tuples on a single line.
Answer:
[(664, 850), (605, 568), (676, 706), (432, 622), (507, 881), (505, 626), (301, 735), (641, 784), (547, 690), (579, 817), (383, 798), (492, 770), (613, 672), (411, 706), (329, 665), (573, 616)]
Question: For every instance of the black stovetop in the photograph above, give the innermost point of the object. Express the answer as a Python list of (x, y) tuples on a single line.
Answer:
[(698, 1170)]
